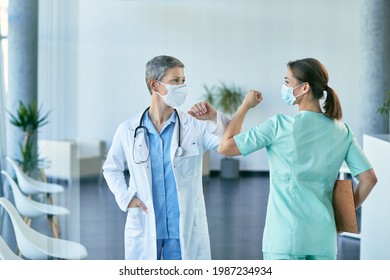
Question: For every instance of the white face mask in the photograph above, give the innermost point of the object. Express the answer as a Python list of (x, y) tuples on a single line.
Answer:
[(288, 94), (175, 96)]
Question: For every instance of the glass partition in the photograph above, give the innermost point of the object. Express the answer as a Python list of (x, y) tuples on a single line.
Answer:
[(3, 86)]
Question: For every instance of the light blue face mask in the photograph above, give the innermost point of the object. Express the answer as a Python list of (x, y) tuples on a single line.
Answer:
[(288, 94)]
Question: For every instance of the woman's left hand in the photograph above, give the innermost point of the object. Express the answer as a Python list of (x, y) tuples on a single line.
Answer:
[(203, 111)]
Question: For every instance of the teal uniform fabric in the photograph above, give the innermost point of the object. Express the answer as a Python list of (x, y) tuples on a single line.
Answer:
[(305, 153)]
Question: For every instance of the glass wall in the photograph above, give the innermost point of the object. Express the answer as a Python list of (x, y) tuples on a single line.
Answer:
[(3, 85)]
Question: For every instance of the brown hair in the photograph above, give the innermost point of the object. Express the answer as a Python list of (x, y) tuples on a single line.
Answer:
[(310, 70)]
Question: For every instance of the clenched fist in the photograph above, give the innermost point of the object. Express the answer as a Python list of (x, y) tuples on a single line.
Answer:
[(252, 98), (203, 111)]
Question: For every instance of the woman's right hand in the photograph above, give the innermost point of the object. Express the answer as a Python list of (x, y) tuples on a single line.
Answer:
[(252, 98), (136, 202)]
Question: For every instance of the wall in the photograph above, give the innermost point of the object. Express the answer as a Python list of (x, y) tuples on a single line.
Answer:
[(375, 226), (245, 42)]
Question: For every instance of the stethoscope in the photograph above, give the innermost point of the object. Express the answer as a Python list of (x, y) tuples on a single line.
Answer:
[(140, 127)]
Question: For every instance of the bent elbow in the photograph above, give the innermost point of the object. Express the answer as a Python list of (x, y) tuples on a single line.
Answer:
[(222, 149), (228, 148), (374, 180), (370, 178)]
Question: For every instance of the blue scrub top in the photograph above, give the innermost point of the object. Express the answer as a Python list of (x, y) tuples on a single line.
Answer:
[(165, 201), (305, 153)]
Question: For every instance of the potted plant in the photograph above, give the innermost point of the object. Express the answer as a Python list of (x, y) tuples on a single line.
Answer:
[(385, 108), (227, 99), (29, 118)]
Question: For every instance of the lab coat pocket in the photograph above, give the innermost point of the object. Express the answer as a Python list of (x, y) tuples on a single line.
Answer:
[(134, 223), (188, 163)]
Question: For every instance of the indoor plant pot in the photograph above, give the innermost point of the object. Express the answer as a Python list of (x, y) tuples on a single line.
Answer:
[(226, 99)]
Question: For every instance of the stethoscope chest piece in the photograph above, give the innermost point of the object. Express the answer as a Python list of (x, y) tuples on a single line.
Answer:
[(179, 151)]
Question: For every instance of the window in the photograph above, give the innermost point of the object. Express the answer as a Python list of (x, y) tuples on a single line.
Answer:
[(3, 84)]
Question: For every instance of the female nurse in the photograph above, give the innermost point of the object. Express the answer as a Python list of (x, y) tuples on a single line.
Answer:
[(305, 154)]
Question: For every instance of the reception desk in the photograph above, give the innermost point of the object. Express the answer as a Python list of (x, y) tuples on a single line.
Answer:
[(375, 220)]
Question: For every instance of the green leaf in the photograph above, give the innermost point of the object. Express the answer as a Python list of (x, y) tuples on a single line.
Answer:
[(29, 118), (385, 108), (223, 97)]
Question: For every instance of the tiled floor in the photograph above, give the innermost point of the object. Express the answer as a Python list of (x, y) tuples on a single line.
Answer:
[(235, 212)]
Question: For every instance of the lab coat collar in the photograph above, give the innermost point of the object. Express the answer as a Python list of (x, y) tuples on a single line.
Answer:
[(147, 122), (184, 123)]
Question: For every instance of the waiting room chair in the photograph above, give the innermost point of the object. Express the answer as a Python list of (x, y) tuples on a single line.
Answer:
[(36, 246), (30, 208), (31, 186), (5, 252)]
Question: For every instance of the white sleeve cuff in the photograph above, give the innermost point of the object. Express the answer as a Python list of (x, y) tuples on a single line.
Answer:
[(219, 127), (124, 201)]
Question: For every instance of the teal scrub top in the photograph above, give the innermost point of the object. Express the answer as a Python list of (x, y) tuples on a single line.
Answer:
[(305, 153)]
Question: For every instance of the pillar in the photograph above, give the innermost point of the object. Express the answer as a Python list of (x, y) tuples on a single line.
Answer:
[(23, 64), (22, 79), (374, 67)]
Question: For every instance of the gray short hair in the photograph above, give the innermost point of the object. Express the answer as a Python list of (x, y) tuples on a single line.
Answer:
[(156, 68)]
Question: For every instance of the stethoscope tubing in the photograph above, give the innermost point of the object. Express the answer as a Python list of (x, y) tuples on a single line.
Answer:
[(179, 151)]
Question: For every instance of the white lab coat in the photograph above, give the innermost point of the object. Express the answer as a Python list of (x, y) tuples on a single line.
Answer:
[(140, 230)]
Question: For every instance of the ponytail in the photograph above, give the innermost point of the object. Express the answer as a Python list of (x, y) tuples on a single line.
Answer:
[(332, 105), (310, 70)]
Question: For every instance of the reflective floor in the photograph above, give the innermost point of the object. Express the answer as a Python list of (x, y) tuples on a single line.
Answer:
[(235, 211)]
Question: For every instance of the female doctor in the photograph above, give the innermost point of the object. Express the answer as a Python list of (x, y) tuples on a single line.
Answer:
[(163, 151), (305, 153)]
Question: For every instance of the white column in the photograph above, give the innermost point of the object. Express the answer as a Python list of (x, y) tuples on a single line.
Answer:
[(22, 77), (23, 64), (374, 67)]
